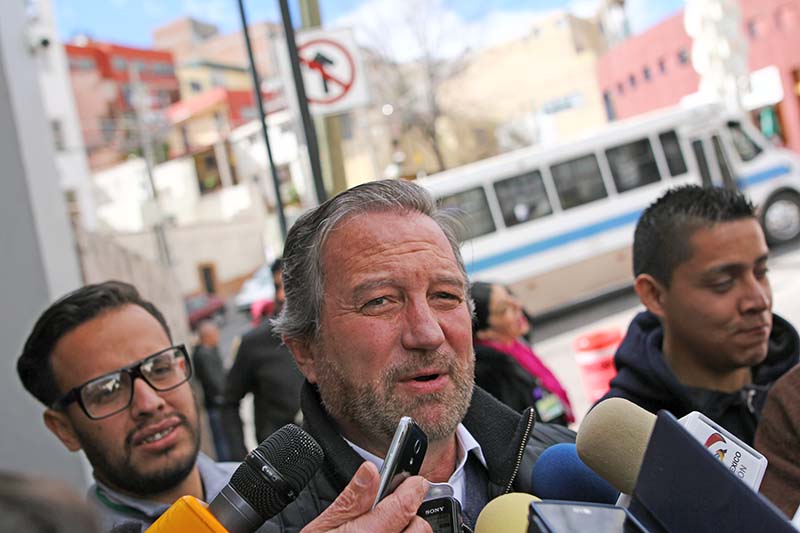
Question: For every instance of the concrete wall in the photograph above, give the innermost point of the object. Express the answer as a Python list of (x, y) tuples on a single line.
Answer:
[(234, 249), (38, 252)]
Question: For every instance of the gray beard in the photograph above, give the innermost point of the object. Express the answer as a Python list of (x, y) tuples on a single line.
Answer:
[(375, 408)]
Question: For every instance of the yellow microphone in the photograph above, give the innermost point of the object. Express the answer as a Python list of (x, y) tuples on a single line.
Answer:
[(506, 514)]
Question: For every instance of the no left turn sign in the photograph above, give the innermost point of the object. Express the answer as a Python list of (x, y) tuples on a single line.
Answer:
[(328, 70), (332, 71)]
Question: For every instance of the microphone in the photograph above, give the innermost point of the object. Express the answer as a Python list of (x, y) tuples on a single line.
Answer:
[(271, 477), (559, 474), (621, 424), (505, 514), (677, 483)]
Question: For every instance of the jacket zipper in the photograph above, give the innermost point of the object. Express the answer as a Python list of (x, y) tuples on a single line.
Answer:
[(521, 451)]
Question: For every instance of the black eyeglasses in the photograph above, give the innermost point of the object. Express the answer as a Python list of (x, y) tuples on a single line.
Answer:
[(113, 392)]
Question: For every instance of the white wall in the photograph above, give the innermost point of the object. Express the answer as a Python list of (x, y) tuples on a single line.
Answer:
[(59, 104)]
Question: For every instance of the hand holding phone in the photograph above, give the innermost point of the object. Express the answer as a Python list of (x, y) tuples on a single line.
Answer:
[(404, 457)]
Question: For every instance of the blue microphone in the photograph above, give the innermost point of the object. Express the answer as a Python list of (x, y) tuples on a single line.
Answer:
[(559, 474)]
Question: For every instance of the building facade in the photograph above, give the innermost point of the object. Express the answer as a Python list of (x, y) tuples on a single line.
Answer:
[(104, 78), (653, 70)]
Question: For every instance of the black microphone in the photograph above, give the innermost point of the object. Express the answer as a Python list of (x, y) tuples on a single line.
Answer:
[(271, 477)]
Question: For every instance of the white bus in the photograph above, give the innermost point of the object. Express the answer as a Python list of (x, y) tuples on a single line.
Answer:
[(556, 224)]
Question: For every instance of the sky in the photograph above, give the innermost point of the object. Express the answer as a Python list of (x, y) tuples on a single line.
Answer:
[(480, 22)]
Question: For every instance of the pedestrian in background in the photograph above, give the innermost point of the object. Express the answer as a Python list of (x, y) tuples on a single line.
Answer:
[(210, 374)]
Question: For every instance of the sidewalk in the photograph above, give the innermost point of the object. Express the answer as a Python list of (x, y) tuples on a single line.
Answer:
[(558, 354)]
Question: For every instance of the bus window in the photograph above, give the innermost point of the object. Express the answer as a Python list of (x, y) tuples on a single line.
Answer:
[(578, 181), (475, 211), (745, 146), (672, 151), (633, 165), (722, 159), (702, 162), (522, 198)]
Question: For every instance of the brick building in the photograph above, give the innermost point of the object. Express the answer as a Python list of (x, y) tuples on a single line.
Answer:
[(100, 74), (653, 69)]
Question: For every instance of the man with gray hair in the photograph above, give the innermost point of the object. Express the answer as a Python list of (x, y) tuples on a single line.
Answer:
[(378, 318)]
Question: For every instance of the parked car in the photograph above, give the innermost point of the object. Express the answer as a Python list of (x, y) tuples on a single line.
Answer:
[(204, 306), (258, 288)]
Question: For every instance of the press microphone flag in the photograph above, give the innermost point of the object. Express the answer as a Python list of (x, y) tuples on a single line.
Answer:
[(271, 477)]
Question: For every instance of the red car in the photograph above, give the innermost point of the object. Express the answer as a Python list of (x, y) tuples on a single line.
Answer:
[(203, 307)]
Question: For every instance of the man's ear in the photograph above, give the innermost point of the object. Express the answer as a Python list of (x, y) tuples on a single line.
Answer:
[(651, 293), (61, 426), (304, 357)]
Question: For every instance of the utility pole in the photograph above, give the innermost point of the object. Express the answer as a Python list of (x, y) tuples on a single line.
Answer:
[(140, 103), (302, 103), (263, 119), (328, 128)]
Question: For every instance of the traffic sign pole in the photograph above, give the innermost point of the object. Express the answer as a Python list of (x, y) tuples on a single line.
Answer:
[(329, 127), (302, 103)]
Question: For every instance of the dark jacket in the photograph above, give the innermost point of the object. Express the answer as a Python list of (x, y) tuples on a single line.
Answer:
[(645, 378), (778, 438), (208, 370), (265, 368), (510, 443)]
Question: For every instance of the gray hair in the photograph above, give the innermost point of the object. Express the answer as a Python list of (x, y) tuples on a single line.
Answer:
[(303, 275)]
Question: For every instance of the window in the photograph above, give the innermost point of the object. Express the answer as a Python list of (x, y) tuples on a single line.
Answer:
[(683, 56), (578, 181), (620, 88), (722, 159), (672, 151), (702, 162), (633, 165), (522, 198), (58, 134), (474, 208), (81, 63), (346, 126), (745, 146), (608, 105), (562, 103), (632, 81), (646, 73), (195, 86), (119, 64), (752, 29), (662, 65)]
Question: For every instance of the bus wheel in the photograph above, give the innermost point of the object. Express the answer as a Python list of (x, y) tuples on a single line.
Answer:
[(781, 218)]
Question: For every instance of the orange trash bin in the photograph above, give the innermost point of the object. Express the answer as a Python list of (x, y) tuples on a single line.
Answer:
[(594, 354)]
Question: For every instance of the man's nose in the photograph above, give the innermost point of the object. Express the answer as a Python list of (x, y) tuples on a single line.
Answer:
[(146, 400), (422, 330), (758, 296)]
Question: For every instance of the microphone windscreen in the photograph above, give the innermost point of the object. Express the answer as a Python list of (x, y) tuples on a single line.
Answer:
[(559, 474), (505, 514), (288, 458), (612, 440)]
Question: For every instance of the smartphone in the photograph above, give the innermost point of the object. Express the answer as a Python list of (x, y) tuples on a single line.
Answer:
[(572, 517), (404, 457)]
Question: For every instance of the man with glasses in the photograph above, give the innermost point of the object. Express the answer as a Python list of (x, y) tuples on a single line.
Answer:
[(83, 361), (102, 360)]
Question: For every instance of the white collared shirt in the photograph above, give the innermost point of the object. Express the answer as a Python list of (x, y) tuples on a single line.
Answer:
[(466, 444)]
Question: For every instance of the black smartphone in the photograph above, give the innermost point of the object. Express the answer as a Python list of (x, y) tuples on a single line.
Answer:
[(404, 457), (572, 517)]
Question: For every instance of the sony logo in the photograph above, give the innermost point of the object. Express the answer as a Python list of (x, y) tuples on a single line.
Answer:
[(434, 510)]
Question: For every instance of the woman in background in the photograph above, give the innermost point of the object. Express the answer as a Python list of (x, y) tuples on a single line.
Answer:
[(505, 364)]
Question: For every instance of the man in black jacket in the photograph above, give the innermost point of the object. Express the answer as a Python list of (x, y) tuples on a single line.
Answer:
[(708, 341), (378, 318), (264, 367)]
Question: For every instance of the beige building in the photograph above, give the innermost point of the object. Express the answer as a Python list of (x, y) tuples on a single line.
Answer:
[(541, 88), (195, 77), (191, 41)]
